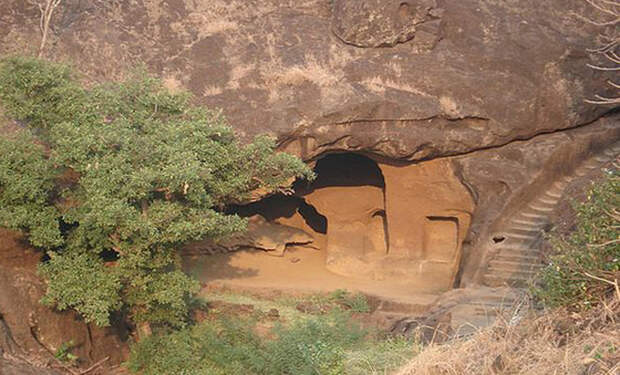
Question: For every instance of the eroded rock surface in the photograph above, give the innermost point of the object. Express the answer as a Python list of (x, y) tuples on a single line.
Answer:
[(500, 71), (379, 23), (16, 367), (469, 109), (261, 234)]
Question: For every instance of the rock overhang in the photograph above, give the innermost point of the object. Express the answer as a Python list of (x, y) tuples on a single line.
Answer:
[(315, 70)]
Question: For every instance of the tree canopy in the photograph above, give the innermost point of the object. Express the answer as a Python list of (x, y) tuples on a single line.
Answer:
[(113, 179)]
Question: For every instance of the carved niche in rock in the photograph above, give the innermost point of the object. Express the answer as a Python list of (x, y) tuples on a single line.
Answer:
[(429, 212), (380, 23)]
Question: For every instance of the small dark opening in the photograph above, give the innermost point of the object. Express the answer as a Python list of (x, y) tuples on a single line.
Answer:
[(443, 218), (379, 213), (278, 206), (109, 255), (271, 208), (313, 218), (498, 239), (404, 11)]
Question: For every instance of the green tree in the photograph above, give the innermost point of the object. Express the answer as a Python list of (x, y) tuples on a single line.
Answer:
[(112, 180)]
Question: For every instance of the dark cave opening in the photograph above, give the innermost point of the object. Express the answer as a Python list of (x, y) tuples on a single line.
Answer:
[(284, 206), (344, 169)]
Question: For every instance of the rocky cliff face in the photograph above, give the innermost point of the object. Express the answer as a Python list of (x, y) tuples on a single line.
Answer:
[(491, 90), (408, 80)]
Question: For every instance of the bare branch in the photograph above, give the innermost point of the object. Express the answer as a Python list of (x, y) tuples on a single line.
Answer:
[(603, 68), (611, 2), (604, 48), (610, 41), (612, 283), (613, 84), (604, 102), (47, 11), (596, 23), (597, 5), (611, 56)]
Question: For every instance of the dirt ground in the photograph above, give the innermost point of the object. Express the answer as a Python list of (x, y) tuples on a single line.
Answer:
[(300, 270)]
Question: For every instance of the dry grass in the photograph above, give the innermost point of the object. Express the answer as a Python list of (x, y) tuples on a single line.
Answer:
[(554, 343), (379, 85), (312, 71), (212, 91)]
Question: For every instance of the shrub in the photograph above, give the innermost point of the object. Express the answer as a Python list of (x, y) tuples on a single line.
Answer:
[(319, 345), (586, 263), (314, 346)]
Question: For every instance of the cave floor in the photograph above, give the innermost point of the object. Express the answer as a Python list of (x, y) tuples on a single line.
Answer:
[(300, 270)]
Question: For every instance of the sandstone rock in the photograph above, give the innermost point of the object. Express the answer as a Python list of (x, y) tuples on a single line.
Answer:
[(261, 234), (15, 367), (498, 72), (468, 108), (379, 23)]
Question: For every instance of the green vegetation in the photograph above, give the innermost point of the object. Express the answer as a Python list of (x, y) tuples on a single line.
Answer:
[(329, 343), (113, 179), (357, 302), (63, 353), (587, 262)]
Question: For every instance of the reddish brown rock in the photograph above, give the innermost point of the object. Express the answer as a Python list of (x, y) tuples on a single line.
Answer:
[(36, 330), (498, 71)]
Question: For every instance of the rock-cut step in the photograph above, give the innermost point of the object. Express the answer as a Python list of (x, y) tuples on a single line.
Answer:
[(512, 280), (540, 207), (523, 232), (511, 266), (530, 221), (530, 214), (525, 256)]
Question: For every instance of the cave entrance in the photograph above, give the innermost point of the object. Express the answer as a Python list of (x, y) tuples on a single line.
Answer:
[(379, 226)]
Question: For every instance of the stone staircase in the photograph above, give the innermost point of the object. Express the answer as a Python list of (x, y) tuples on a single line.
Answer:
[(518, 254)]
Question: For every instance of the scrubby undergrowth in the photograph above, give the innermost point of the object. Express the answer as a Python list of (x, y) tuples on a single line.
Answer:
[(245, 334), (585, 265)]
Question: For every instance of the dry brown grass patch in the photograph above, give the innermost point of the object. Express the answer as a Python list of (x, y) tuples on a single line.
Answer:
[(553, 343)]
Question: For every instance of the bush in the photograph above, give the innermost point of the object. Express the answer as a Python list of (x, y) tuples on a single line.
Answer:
[(314, 346), (63, 353), (586, 263), (356, 302)]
